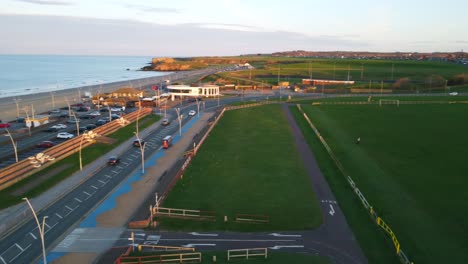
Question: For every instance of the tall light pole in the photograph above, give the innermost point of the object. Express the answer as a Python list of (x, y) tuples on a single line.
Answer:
[(17, 106), (142, 150), (77, 123), (138, 115), (13, 143), (41, 229), (86, 135), (198, 107), (179, 117), (27, 118)]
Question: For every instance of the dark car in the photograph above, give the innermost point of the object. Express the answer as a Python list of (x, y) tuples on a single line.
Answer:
[(113, 161), (136, 143), (91, 126), (51, 129), (20, 119), (45, 144), (64, 115)]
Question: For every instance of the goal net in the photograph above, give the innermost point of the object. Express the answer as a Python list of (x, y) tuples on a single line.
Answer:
[(389, 102)]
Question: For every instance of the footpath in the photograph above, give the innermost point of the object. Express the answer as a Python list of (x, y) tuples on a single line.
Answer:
[(128, 203)]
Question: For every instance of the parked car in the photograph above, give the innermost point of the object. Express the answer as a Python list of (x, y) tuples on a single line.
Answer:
[(20, 119), (81, 129), (165, 122), (59, 126), (101, 122), (4, 125), (113, 160), (65, 135), (95, 113), (55, 111), (192, 113), (116, 109), (45, 144), (136, 143), (91, 126), (64, 114), (73, 121)]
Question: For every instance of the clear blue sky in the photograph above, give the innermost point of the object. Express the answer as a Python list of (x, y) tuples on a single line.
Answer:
[(230, 27)]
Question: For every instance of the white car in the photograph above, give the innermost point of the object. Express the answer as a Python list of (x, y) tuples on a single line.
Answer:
[(65, 135), (192, 113), (94, 113), (116, 109), (59, 126)]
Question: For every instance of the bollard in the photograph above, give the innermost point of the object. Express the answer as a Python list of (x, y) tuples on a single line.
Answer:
[(225, 218), (214, 258)]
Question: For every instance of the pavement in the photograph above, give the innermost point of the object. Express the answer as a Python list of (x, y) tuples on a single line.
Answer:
[(95, 238)]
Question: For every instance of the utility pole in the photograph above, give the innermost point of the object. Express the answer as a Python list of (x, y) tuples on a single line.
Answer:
[(348, 71), (393, 68)]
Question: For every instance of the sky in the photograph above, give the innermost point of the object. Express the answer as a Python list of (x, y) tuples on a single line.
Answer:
[(230, 27)]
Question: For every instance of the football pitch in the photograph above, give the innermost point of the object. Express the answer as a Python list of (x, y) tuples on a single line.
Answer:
[(410, 165)]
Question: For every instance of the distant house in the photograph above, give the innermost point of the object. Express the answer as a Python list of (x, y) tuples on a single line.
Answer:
[(244, 66), (127, 92)]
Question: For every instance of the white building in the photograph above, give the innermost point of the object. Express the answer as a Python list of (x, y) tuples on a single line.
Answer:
[(189, 91)]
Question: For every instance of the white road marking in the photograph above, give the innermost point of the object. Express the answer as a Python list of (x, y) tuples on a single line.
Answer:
[(126, 163), (87, 193), (16, 244), (291, 246), (133, 155), (94, 187), (108, 176), (59, 216), (281, 235), (117, 172), (193, 245), (4, 262), (22, 250), (198, 234), (332, 210), (78, 200), (33, 235), (103, 183)]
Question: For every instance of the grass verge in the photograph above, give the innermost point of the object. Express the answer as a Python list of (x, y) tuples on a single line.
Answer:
[(247, 165)]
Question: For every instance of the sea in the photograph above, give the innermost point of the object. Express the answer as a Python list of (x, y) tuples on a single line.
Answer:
[(29, 74)]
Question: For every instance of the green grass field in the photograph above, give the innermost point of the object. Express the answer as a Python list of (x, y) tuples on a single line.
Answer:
[(411, 167), (233, 173), (69, 165)]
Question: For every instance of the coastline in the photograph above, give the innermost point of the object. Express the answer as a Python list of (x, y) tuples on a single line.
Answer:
[(42, 102)]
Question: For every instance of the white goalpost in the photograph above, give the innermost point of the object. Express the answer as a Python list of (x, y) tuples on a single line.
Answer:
[(389, 102)]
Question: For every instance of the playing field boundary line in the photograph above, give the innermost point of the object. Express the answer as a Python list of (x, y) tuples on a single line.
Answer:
[(372, 213)]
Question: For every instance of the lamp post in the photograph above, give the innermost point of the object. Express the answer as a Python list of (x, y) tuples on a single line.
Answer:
[(77, 123), (88, 135), (138, 115), (52, 95), (198, 107), (13, 143), (179, 117), (27, 118), (41, 229), (17, 106), (142, 150)]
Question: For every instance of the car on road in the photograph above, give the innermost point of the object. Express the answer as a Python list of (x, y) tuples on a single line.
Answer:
[(20, 119), (4, 125), (73, 121), (136, 143), (113, 160), (55, 111), (65, 135), (94, 113), (91, 126), (59, 126), (192, 113), (45, 144), (51, 129), (165, 122), (116, 109)]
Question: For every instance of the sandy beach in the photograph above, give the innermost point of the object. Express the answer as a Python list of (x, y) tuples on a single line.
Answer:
[(42, 102)]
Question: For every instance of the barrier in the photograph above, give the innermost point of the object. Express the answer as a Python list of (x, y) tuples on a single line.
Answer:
[(403, 258), (250, 218), (165, 258), (246, 253), (184, 213)]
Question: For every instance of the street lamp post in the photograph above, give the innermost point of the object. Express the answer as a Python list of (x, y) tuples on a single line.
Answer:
[(27, 118), (13, 143), (41, 229), (179, 117), (88, 135), (17, 106), (138, 116), (142, 150), (52, 95), (77, 123), (198, 107)]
